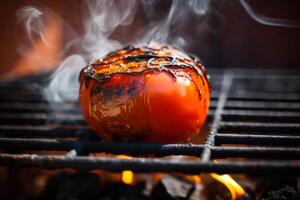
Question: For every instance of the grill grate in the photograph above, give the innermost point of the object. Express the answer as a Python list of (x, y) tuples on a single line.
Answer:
[(254, 125)]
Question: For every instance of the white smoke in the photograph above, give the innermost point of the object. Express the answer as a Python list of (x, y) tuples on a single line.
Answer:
[(33, 23), (103, 18), (199, 7), (270, 21), (164, 30), (64, 83)]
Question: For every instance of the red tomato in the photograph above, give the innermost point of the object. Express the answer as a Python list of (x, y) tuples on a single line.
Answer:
[(145, 94)]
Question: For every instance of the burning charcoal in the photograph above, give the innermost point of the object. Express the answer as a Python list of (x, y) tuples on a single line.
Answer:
[(223, 187), (284, 193), (118, 190), (77, 186), (279, 188), (216, 190), (170, 187)]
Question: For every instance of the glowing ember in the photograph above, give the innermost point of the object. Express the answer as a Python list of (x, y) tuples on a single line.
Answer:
[(197, 179)]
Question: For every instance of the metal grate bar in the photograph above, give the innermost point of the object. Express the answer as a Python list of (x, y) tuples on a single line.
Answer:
[(280, 153), (261, 127), (257, 139), (263, 99), (210, 141), (150, 165), (38, 107), (145, 149), (260, 96), (41, 118), (281, 106), (44, 131), (254, 117), (261, 116), (100, 146)]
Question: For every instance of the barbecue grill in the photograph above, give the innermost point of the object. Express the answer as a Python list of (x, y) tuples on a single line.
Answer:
[(254, 127)]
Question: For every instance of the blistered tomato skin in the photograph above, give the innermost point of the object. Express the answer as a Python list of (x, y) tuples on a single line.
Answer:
[(145, 94)]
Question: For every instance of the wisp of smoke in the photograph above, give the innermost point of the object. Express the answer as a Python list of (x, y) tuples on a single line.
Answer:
[(268, 20), (102, 20), (33, 23), (64, 83), (179, 13), (105, 16)]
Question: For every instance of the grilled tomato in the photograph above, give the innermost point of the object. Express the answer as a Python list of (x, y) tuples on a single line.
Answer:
[(147, 94)]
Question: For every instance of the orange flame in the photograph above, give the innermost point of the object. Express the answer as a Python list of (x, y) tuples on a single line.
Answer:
[(235, 189), (127, 175), (197, 179)]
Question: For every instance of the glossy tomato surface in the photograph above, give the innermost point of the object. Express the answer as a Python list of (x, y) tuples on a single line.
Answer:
[(145, 94)]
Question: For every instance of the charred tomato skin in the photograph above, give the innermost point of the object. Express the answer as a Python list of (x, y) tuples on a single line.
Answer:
[(164, 103)]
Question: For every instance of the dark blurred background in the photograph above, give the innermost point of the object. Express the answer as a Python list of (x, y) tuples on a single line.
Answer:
[(229, 38)]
